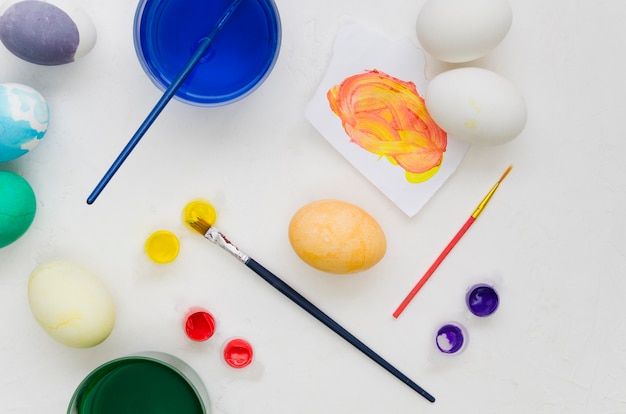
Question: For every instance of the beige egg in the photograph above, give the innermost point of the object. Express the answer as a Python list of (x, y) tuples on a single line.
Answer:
[(71, 304), (337, 237)]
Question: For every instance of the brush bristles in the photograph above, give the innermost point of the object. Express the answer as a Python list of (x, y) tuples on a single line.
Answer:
[(508, 170), (200, 226)]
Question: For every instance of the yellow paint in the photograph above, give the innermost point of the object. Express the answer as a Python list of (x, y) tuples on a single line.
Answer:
[(162, 246), (420, 178), (474, 105), (387, 116), (471, 124), (199, 209)]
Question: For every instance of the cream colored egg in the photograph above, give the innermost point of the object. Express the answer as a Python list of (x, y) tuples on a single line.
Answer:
[(336, 237), (476, 105), (71, 304)]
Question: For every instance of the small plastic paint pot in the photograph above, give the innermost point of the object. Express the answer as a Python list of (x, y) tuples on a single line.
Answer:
[(240, 58), (150, 383), (482, 300), (162, 246), (451, 338), (237, 353), (199, 325), (199, 209)]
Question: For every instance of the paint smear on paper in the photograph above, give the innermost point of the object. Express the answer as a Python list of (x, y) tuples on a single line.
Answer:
[(378, 122), (387, 116)]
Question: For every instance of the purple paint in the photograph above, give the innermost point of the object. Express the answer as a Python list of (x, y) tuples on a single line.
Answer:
[(482, 300), (450, 338), (39, 32)]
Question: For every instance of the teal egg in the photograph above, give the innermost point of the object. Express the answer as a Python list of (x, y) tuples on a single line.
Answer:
[(17, 207), (24, 117)]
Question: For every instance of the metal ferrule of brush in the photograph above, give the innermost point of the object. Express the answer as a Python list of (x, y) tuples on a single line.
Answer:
[(218, 238)]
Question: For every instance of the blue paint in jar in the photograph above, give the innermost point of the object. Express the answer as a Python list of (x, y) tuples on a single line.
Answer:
[(167, 32)]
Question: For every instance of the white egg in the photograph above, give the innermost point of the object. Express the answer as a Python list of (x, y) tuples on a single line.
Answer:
[(71, 304), (476, 105), (462, 30)]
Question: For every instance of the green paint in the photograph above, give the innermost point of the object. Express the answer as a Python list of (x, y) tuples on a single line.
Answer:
[(137, 386)]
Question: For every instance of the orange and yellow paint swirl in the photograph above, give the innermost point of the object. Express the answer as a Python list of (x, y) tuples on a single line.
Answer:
[(386, 116)]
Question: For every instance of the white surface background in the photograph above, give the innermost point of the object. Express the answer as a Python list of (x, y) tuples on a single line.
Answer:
[(554, 231)]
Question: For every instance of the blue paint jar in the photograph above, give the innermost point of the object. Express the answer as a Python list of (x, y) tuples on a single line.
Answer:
[(242, 55)]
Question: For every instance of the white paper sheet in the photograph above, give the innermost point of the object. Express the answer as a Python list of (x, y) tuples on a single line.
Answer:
[(358, 50)]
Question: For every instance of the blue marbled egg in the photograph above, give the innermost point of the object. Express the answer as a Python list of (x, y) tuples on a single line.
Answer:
[(24, 117), (51, 32)]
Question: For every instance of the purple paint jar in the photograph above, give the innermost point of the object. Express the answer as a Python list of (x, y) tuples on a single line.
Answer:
[(451, 338), (482, 300)]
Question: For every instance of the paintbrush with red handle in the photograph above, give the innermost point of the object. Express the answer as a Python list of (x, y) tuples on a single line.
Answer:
[(450, 245)]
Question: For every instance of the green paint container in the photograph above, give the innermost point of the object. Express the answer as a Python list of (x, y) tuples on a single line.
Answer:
[(150, 383)]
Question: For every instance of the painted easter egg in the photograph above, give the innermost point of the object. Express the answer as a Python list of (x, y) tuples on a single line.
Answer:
[(476, 105), (71, 304), (24, 117), (336, 237), (460, 30), (17, 207), (52, 32)]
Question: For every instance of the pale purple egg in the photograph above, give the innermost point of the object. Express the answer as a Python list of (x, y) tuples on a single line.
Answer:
[(45, 33)]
